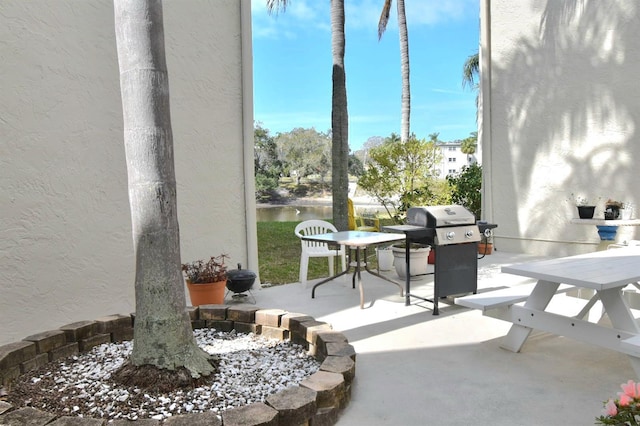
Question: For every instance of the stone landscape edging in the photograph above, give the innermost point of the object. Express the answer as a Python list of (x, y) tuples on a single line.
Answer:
[(317, 400)]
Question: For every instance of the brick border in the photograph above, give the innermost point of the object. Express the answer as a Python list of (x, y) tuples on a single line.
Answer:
[(316, 401)]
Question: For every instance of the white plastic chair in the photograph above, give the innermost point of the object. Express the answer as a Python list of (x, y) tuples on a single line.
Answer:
[(317, 249)]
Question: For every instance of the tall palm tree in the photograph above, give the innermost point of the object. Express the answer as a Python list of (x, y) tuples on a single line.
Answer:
[(339, 120), (162, 333), (405, 120), (339, 113)]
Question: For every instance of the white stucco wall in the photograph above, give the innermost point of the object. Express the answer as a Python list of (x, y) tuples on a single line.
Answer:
[(65, 232), (560, 115)]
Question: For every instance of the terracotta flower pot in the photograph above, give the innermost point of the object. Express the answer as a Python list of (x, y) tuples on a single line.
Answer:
[(485, 248), (207, 293)]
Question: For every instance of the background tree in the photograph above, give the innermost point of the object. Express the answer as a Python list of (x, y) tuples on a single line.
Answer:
[(363, 154), (466, 189), (162, 334), (305, 152), (267, 165), (405, 108), (355, 166), (400, 173)]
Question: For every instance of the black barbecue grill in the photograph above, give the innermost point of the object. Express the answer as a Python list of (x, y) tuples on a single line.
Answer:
[(453, 234)]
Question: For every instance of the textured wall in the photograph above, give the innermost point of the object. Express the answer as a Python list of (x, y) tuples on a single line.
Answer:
[(561, 109), (65, 230)]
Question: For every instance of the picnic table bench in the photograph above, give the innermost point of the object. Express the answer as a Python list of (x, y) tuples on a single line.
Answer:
[(605, 272)]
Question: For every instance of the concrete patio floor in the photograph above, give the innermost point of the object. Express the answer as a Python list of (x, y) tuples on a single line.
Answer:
[(414, 368)]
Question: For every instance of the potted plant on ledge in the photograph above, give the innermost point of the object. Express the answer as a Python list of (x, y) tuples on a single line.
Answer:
[(612, 209), (206, 280), (585, 209)]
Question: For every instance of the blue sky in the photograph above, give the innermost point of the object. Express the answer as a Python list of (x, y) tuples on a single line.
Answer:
[(292, 67)]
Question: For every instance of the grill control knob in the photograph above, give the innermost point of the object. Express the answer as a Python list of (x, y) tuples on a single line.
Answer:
[(469, 234), (451, 235)]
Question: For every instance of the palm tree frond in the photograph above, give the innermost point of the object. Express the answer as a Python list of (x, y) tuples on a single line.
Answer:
[(470, 70), (277, 5), (384, 18)]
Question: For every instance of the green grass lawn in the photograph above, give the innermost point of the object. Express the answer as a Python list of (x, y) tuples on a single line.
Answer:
[(279, 255)]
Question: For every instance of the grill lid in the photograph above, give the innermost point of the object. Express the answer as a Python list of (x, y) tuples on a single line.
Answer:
[(440, 216)]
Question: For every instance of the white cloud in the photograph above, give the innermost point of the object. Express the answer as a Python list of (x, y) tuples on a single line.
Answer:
[(366, 13), (314, 15), (300, 16)]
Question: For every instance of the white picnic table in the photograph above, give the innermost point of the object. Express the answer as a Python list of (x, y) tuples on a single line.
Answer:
[(605, 272)]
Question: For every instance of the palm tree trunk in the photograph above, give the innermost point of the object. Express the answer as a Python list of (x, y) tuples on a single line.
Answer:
[(162, 333), (339, 120), (405, 120)]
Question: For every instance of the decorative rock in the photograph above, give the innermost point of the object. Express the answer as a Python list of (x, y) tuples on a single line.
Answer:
[(47, 340), (274, 332), (326, 389), (219, 325), (26, 416), (310, 329), (77, 421), (9, 374), (341, 349), (213, 312), (269, 317), (79, 330), (122, 334), (341, 365), (13, 354), (247, 327), (111, 323), (330, 387), (296, 405), (4, 406), (63, 352), (201, 419), (93, 341), (193, 312), (288, 320), (139, 422), (325, 417), (242, 313), (257, 414), (33, 364), (324, 337)]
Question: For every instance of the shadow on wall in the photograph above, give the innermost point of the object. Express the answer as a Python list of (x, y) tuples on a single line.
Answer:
[(565, 107)]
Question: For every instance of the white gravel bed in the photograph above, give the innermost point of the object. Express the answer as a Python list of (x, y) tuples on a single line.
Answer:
[(251, 368)]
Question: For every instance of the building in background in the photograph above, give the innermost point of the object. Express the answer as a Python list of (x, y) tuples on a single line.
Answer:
[(453, 159)]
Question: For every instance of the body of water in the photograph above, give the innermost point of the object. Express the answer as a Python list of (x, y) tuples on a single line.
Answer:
[(300, 213), (293, 213)]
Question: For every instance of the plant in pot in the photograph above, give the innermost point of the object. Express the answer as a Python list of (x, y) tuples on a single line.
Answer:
[(206, 280), (612, 209), (485, 246), (585, 208)]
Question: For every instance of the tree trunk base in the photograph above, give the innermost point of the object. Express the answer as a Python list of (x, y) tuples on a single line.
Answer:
[(153, 379)]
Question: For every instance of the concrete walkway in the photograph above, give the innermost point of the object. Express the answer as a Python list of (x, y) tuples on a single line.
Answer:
[(414, 368)]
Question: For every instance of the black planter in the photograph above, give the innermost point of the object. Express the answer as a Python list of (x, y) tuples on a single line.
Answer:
[(586, 212)]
